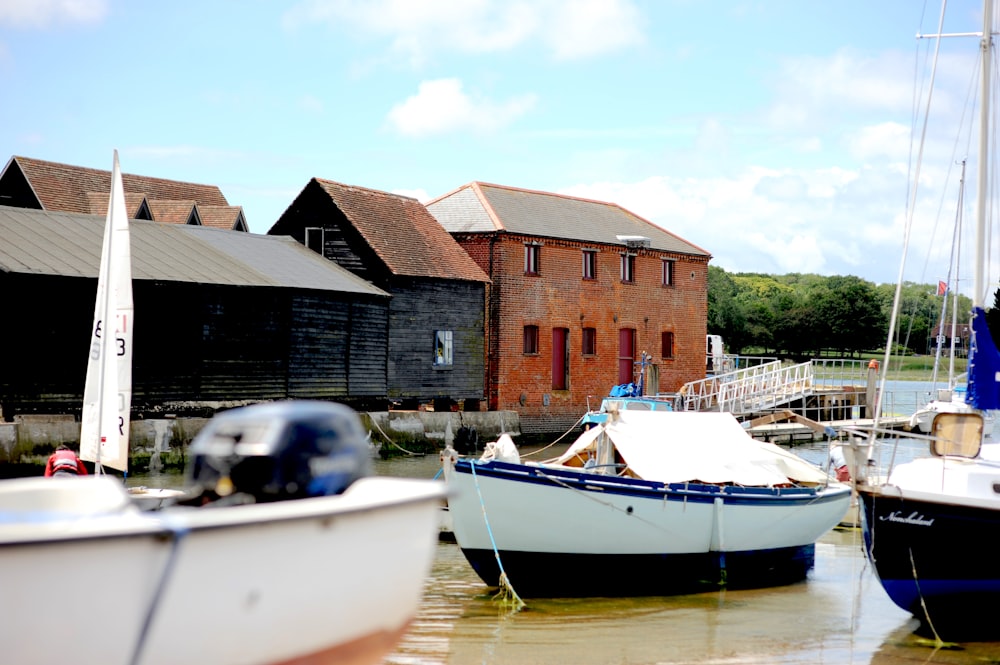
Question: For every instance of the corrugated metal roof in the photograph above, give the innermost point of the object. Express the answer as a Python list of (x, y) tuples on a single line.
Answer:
[(486, 208), (66, 244)]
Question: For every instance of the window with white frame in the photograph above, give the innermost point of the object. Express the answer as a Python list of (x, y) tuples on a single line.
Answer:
[(668, 272), (589, 264), (531, 253), (314, 239), (628, 268), (443, 348)]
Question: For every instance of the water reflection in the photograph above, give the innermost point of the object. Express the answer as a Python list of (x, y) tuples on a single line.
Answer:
[(839, 615)]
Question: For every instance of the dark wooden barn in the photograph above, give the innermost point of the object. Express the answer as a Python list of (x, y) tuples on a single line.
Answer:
[(222, 318), (436, 315)]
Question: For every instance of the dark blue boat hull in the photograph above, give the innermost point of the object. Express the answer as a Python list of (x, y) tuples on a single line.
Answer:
[(937, 561), (544, 574)]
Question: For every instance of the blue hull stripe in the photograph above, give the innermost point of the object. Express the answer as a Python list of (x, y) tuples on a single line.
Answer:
[(633, 487)]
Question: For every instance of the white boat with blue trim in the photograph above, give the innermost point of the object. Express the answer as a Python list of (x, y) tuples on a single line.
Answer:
[(644, 503)]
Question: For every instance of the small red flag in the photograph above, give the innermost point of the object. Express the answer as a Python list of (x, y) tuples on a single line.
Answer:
[(942, 288)]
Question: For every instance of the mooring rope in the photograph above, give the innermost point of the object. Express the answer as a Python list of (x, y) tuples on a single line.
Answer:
[(178, 534), (923, 603), (506, 594), (386, 437), (561, 437)]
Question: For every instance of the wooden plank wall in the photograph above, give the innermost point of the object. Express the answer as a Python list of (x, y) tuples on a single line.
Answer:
[(419, 308)]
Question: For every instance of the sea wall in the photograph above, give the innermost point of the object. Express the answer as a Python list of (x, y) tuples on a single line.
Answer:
[(159, 443)]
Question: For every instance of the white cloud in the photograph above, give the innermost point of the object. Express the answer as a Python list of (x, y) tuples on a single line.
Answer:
[(581, 28), (887, 139), (441, 106), (827, 221), (567, 28), (45, 13)]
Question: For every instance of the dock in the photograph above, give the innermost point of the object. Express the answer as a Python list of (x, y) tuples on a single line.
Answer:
[(793, 432), (815, 400)]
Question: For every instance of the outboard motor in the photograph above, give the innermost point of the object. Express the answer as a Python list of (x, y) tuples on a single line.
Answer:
[(276, 451)]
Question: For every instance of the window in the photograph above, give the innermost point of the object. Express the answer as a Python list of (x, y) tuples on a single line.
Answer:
[(530, 339), (628, 268), (531, 259), (590, 341), (560, 358), (668, 345), (668, 272), (314, 239), (443, 348), (589, 264)]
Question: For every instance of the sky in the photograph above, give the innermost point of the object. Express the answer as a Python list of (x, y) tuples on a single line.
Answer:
[(774, 134)]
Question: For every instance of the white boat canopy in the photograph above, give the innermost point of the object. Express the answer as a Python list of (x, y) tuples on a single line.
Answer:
[(710, 447)]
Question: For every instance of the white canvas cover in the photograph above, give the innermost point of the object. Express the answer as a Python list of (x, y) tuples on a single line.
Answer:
[(689, 446)]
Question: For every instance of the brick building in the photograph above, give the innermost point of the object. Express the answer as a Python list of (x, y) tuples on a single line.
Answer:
[(579, 289)]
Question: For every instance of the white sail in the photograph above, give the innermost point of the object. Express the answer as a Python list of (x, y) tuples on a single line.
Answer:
[(107, 395)]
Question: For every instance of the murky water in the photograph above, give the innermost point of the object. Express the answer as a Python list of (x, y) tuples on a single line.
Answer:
[(840, 614)]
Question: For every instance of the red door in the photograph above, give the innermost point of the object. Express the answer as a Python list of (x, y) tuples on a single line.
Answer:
[(626, 355)]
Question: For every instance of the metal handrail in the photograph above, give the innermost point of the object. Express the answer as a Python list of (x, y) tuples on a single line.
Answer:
[(748, 390)]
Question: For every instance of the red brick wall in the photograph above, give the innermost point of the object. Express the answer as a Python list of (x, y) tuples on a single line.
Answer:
[(560, 297)]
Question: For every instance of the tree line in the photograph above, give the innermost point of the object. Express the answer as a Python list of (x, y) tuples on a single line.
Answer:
[(802, 316)]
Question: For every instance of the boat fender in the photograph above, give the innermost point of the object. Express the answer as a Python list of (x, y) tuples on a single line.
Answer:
[(502, 450)]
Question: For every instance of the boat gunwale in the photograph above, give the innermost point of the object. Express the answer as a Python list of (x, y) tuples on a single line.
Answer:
[(173, 521), (701, 492)]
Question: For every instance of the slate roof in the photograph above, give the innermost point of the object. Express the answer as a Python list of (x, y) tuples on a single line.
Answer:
[(67, 188), (404, 235), (69, 245), (480, 207)]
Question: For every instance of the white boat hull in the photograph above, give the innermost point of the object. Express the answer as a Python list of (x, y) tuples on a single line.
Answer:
[(328, 579), (923, 418), (549, 526)]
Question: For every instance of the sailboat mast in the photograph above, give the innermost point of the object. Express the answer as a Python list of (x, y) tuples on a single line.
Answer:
[(986, 44), (952, 290), (108, 325)]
